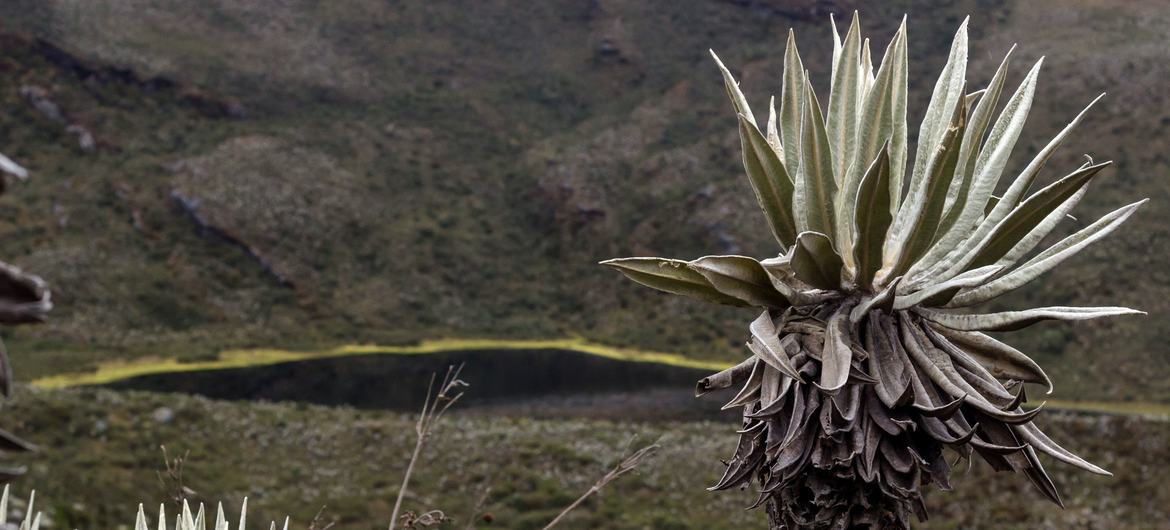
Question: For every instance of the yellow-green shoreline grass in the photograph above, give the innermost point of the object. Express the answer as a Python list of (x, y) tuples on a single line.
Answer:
[(118, 370)]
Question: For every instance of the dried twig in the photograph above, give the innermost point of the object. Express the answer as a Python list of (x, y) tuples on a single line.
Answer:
[(318, 522), (171, 477), (626, 465), (432, 411), (412, 520)]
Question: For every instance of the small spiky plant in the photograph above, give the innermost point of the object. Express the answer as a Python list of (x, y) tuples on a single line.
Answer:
[(865, 363), (187, 519)]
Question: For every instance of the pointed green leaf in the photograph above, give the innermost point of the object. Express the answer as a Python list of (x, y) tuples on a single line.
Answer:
[(836, 43), (898, 146), (672, 276), (791, 103), (878, 115), (772, 184), (1045, 227), (872, 219), (1015, 193), (844, 101), (1047, 260), (1013, 320), (1029, 214), (816, 187), (867, 76), (947, 94), (959, 217), (989, 166), (733, 92), (773, 133), (815, 262), (924, 206)]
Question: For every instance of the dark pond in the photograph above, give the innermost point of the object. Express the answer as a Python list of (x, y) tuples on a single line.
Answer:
[(537, 383)]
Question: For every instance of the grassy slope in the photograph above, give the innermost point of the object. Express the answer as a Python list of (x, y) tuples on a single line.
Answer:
[(426, 170), (103, 453)]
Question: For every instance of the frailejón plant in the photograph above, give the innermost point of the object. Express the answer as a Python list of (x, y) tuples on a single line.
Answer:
[(187, 519), (866, 361), (32, 518)]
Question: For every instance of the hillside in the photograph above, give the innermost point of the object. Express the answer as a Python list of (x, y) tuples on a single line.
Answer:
[(307, 175)]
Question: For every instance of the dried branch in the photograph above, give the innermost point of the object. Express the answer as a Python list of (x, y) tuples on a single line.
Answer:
[(432, 411), (171, 477), (411, 520), (625, 466), (318, 522)]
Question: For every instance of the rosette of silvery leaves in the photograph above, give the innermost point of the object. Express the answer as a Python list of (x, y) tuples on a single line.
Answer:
[(867, 361)]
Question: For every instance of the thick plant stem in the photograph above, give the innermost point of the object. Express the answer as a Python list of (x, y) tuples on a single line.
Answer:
[(857, 506)]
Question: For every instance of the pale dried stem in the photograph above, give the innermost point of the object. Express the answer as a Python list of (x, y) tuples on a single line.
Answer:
[(626, 465), (432, 411)]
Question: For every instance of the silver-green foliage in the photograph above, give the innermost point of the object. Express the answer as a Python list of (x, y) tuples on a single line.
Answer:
[(187, 519), (877, 264), (830, 177)]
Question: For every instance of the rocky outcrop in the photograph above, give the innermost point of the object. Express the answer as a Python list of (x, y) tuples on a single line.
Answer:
[(287, 207), (205, 102), (190, 206), (42, 101)]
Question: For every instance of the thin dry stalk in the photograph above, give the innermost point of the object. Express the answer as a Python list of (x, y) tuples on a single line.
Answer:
[(318, 522), (625, 466), (171, 477), (432, 411)]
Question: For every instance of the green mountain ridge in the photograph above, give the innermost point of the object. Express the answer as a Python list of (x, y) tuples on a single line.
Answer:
[(311, 175)]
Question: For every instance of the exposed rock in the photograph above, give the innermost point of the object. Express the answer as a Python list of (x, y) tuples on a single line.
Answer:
[(163, 415), (40, 99), (287, 207), (205, 102), (190, 206)]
